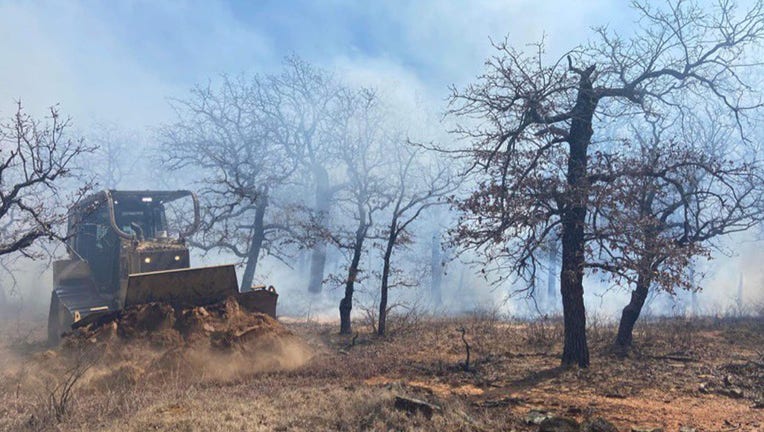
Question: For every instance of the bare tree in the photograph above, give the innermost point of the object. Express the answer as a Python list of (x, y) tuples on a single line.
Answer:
[(305, 105), (225, 134), (37, 161), (419, 181), (536, 122), (683, 193), (363, 154), (116, 154)]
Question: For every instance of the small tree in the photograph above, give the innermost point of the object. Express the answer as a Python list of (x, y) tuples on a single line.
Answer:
[(363, 154), (419, 181), (535, 123)]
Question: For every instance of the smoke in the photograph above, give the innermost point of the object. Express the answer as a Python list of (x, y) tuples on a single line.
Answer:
[(120, 63), (734, 282), (26, 286)]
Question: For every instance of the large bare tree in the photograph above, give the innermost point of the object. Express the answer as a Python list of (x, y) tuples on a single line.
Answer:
[(531, 124), (305, 105), (224, 134)]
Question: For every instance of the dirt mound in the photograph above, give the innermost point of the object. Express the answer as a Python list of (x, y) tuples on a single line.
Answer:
[(219, 341)]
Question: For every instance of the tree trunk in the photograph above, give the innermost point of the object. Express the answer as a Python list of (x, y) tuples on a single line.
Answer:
[(575, 349), (255, 245), (631, 313), (317, 265), (436, 268), (551, 277), (318, 254), (346, 304), (391, 238)]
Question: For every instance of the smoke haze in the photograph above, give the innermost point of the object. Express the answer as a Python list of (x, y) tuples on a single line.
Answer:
[(119, 63)]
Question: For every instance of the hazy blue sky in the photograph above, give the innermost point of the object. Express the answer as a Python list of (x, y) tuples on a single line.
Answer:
[(120, 60)]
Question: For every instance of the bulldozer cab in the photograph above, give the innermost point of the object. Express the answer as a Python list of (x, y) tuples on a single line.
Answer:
[(131, 215), (99, 225)]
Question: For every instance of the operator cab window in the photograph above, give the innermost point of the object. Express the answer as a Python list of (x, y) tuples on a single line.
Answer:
[(97, 244), (150, 220), (93, 230)]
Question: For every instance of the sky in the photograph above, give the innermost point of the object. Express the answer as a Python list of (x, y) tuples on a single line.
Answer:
[(120, 61)]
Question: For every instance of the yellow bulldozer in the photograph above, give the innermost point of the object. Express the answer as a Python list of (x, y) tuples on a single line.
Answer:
[(121, 254)]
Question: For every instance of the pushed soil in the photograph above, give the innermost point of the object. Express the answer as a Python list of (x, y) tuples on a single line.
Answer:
[(219, 341)]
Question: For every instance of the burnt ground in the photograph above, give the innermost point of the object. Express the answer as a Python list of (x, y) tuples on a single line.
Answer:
[(702, 374)]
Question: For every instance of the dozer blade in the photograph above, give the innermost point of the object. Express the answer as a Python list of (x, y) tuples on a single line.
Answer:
[(259, 299), (185, 287)]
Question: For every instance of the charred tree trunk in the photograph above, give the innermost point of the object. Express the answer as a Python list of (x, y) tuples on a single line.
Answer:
[(646, 266), (436, 268), (391, 239), (575, 349), (256, 243), (631, 313), (318, 254), (346, 304)]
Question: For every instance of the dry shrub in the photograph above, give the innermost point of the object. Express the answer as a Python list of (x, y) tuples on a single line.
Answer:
[(121, 378), (599, 330), (405, 319), (51, 397), (483, 331), (680, 334), (544, 332), (759, 309), (402, 318), (667, 334)]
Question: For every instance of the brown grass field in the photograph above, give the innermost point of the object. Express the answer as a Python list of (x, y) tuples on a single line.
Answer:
[(701, 374)]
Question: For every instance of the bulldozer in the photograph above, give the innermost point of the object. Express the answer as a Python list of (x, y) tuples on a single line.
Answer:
[(121, 254)]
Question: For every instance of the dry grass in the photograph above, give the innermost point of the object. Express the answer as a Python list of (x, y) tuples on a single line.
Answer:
[(681, 373)]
